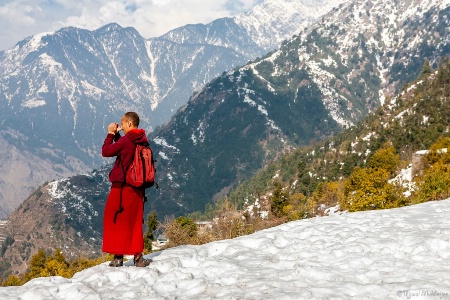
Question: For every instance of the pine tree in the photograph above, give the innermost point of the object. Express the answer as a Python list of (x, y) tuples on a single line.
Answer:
[(426, 69), (278, 199), (37, 264), (152, 223)]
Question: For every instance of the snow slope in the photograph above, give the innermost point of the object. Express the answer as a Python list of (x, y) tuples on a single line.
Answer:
[(390, 254)]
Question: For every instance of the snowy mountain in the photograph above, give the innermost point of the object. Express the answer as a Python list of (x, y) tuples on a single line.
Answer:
[(386, 254), (59, 90), (271, 22), (328, 77)]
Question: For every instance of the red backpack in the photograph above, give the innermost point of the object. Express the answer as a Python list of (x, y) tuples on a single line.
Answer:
[(141, 172)]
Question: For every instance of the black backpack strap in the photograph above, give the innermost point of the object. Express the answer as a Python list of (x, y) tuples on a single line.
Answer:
[(121, 190), (121, 187), (120, 203)]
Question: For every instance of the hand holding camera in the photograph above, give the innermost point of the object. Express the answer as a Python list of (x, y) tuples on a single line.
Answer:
[(114, 128)]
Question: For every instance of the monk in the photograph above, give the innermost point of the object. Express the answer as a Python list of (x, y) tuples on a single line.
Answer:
[(124, 208)]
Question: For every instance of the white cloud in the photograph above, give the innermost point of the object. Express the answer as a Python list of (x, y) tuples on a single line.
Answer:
[(22, 18)]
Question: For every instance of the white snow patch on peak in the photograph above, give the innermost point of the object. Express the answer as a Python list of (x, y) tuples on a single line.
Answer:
[(169, 176), (329, 62), (36, 41), (49, 62), (32, 103), (194, 139), (163, 155), (163, 142), (53, 190), (249, 101), (152, 77), (252, 66), (90, 89), (272, 125), (368, 136), (261, 108)]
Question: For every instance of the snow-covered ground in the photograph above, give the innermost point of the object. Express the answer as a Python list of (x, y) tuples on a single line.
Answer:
[(402, 253)]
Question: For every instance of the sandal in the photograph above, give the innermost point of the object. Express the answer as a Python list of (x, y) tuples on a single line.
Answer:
[(117, 261), (140, 261)]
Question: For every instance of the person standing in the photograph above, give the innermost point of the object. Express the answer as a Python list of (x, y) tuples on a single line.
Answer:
[(124, 208)]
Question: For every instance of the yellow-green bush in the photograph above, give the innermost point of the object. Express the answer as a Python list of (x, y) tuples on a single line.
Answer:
[(385, 158), (369, 188), (434, 182), (43, 265), (438, 153), (327, 194)]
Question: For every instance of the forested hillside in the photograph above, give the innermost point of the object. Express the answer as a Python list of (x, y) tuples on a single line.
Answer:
[(361, 162)]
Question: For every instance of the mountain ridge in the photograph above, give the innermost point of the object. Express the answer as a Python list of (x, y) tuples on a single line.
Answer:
[(82, 80)]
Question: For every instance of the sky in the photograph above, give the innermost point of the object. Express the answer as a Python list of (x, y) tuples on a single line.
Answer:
[(401, 253), (22, 18)]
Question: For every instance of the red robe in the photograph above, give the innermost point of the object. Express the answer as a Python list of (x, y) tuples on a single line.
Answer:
[(124, 236)]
